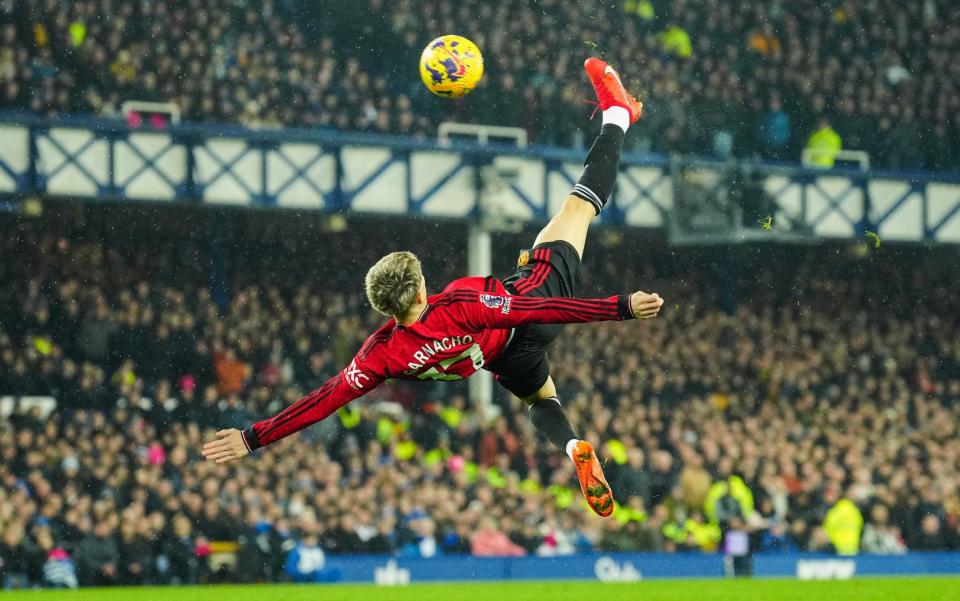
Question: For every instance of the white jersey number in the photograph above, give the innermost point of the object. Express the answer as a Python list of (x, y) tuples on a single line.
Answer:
[(474, 353)]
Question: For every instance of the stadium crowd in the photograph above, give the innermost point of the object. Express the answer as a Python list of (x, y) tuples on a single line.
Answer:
[(717, 76), (819, 412)]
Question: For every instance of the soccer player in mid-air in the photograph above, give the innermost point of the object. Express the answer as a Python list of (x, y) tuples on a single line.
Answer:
[(504, 326)]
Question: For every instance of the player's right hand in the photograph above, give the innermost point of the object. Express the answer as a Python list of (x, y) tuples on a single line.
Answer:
[(229, 446), (645, 306)]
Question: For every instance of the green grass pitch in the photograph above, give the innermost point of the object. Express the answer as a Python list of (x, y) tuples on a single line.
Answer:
[(861, 589)]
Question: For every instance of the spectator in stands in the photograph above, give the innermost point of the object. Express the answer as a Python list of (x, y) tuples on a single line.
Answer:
[(632, 479), (384, 541), (662, 477), (490, 541), (425, 543), (266, 69), (458, 541), (14, 558), (775, 539), (232, 373), (907, 141), (306, 561), (797, 421), (675, 41), (879, 536), (774, 130), (616, 536), (136, 549), (843, 524), (931, 536), (98, 557), (764, 42), (823, 145), (57, 567), (694, 481), (261, 555)]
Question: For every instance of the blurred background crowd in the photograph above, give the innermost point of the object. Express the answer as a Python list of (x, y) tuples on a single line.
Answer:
[(759, 79), (806, 396)]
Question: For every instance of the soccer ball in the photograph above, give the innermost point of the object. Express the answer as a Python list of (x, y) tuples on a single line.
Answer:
[(451, 66)]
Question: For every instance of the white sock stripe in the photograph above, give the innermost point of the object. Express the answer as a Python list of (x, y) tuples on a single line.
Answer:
[(587, 191), (590, 194), (556, 399)]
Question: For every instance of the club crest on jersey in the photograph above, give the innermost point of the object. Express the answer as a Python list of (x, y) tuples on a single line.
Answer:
[(496, 302), (524, 258)]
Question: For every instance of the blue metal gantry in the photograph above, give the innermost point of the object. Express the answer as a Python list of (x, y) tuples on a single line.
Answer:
[(334, 171)]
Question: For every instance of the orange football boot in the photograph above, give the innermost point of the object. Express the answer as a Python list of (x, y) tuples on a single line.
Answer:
[(610, 91), (592, 483)]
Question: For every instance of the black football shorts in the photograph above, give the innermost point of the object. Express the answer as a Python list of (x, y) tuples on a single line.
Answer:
[(551, 269)]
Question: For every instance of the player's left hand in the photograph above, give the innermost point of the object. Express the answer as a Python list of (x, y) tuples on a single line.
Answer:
[(645, 306), (229, 446)]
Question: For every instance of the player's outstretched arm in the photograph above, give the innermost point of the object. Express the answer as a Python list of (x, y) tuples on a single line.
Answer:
[(507, 311), (349, 384)]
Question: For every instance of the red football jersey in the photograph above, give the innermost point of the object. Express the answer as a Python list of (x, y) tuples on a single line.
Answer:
[(462, 329)]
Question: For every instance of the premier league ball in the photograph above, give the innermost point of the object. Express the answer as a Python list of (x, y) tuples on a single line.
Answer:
[(451, 66)]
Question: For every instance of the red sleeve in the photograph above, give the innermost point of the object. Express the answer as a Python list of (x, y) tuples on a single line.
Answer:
[(483, 310), (351, 383)]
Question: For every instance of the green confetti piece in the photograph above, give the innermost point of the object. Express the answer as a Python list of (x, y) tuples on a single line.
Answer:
[(873, 236)]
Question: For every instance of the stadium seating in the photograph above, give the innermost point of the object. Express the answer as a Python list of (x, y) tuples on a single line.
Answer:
[(776, 394), (717, 76)]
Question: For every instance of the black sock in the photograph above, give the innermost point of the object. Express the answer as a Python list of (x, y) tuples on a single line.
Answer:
[(547, 417), (600, 168)]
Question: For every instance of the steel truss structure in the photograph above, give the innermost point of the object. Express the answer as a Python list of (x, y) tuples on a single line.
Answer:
[(333, 171)]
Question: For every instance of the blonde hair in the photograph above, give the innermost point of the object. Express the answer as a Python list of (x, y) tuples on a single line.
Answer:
[(393, 282)]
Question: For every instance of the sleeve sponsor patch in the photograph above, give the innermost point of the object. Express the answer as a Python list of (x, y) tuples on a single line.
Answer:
[(496, 302), (354, 377)]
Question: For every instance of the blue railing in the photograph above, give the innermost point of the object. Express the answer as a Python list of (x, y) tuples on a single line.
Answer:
[(337, 171)]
